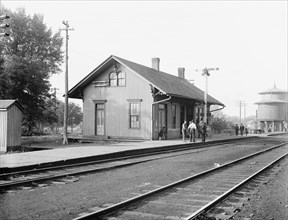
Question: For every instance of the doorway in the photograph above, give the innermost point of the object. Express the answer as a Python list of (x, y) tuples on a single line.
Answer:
[(162, 117), (100, 119)]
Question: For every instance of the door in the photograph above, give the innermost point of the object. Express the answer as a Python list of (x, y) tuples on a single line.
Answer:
[(182, 117), (162, 116), (190, 113), (100, 119)]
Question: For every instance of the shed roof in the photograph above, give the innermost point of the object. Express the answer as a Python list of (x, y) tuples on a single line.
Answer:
[(5, 104), (166, 83)]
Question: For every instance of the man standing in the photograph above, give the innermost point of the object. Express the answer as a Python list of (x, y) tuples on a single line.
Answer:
[(241, 129), (184, 128), (200, 127), (236, 129), (192, 128), (204, 132)]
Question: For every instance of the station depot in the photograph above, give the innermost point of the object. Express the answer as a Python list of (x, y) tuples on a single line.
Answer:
[(123, 99)]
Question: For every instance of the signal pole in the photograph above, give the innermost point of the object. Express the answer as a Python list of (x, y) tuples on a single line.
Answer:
[(65, 139), (205, 72)]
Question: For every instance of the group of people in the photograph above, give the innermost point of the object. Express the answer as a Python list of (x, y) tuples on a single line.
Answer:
[(191, 130), (241, 129)]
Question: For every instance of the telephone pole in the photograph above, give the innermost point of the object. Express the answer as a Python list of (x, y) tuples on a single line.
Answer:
[(244, 114), (55, 105), (242, 103), (65, 139)]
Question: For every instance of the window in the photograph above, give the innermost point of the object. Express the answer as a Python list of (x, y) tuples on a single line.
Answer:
[(134, 117), (161, 106), (113, 79), (173, 116), (99, 106), (117, 79), (121, 79)]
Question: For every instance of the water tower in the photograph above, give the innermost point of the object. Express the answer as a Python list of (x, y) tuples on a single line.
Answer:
[(272, 110)]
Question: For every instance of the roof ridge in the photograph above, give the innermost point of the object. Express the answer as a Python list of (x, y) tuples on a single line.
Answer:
[(176, 77)]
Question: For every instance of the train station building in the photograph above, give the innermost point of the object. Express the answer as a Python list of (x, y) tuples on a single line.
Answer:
[(123, 99), (272, 110)]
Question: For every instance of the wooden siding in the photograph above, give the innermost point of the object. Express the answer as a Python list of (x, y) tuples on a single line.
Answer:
[(117, 106), (271, 112), (14, 117), (3, 131)]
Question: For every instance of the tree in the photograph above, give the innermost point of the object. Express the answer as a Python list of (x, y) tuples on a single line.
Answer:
[(31, 55), (3, 79), (220, 121), (219, 124), (50, 114), (75, 114)]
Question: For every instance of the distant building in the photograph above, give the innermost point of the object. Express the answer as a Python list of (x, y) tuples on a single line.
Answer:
[(10, 124), (272, 110), (123, 99)]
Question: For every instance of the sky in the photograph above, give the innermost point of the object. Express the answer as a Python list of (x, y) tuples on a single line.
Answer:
[(246, 40)]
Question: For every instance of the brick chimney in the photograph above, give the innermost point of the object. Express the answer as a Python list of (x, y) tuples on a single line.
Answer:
[(181, 72), (156, 63)]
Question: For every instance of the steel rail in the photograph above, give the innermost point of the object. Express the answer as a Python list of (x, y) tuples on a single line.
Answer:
[(130, 201), (57, 176), (232, 190)]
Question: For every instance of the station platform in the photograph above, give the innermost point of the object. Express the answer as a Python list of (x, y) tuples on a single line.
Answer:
[(11, 161)]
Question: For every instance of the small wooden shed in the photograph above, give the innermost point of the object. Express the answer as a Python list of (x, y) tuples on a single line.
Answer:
[(10, 124)]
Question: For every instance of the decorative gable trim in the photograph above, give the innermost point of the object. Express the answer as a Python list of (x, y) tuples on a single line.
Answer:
[(100, 83), (134, 100), (139, 75)]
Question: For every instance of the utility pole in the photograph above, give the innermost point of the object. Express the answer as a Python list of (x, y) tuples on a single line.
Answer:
[(65, 138), (256, 124), (244, 114), (240, 111), (55, 103), (240, 104), (205, 72)]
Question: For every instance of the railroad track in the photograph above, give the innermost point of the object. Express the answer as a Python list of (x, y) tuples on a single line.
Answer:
[(67, 173), (118, 156), (189, 198)]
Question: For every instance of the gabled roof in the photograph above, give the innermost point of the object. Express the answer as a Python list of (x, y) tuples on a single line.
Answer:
[(5, 104), (168, 84)]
